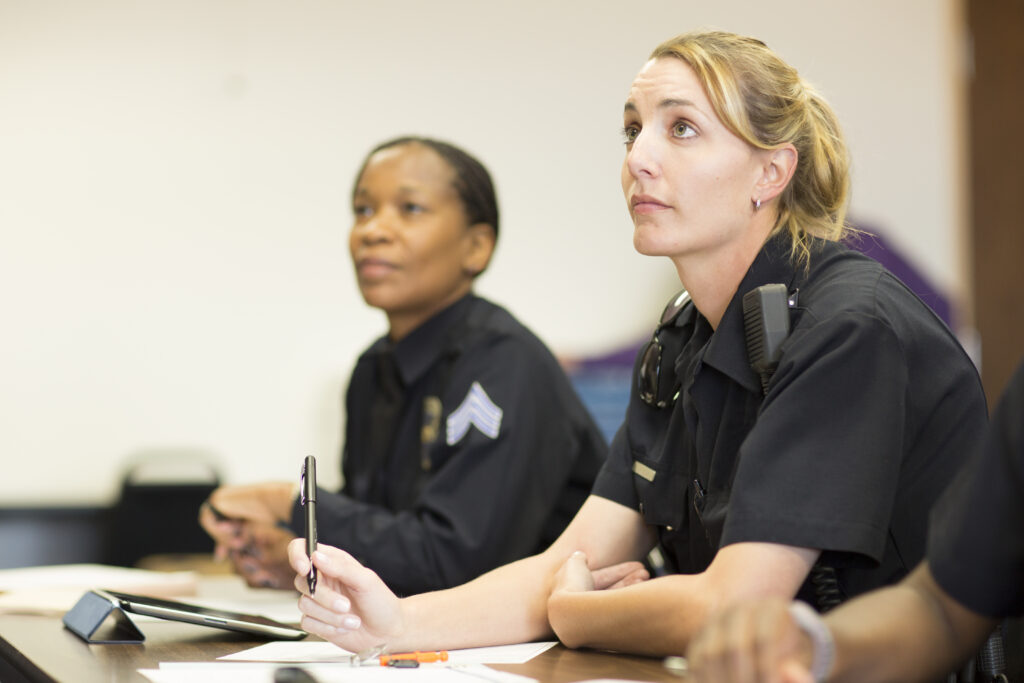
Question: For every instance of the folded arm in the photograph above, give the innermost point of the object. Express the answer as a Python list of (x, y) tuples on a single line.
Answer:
[(660, 616)]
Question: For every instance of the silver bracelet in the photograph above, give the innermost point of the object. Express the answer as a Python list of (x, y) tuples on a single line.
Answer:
[(823, 647)]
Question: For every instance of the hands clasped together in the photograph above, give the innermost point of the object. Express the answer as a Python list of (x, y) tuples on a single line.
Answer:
[(247, 523)]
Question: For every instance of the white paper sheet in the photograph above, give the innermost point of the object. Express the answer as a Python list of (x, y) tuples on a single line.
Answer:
[(55, 589), (261, 672), (320, 651), (98, 576)]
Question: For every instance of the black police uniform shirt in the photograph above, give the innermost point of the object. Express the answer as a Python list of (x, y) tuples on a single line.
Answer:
[(492, 474), (871, 411), (976, 542)]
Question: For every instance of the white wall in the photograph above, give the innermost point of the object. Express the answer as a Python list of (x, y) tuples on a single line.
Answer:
[(175, 178)]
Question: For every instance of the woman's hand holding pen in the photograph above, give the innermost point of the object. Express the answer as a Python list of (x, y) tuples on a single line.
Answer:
[(351, 607)]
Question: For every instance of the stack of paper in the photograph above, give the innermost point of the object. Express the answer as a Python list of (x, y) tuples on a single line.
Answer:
[(55, 589)]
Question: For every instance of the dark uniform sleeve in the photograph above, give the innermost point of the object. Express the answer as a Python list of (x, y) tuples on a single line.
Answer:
[(976, 539), (821, 465), (489, 499), (615, 480)]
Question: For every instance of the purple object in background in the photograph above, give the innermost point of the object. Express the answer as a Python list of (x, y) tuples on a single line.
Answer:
[(872, 244)]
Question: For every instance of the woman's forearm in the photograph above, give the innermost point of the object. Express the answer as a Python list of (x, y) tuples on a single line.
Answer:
[(505, 605), (657, 617), (661, 616)]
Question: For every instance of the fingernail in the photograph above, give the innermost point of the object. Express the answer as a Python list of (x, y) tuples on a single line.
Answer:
[(342, 605), (351, 622)]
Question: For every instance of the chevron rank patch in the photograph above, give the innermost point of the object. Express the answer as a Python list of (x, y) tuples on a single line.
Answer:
[(476, 410)]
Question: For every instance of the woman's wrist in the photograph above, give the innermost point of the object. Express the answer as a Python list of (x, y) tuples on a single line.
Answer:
[(559, 607)]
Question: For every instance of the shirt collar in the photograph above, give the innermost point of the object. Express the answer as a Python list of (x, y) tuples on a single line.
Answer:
[(727, 351), (417, 352)]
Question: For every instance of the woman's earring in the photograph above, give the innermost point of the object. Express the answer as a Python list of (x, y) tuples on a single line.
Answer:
[(757, 204)]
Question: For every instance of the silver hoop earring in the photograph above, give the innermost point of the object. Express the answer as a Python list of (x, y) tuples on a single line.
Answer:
[(757, 204)]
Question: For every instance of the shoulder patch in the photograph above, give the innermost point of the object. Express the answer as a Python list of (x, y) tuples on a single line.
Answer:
[(476, 410)]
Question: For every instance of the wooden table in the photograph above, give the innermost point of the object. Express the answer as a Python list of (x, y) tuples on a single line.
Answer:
[(40, 649)]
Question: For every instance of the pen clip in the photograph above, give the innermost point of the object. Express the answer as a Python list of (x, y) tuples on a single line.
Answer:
[(307, 482), (302, 485)]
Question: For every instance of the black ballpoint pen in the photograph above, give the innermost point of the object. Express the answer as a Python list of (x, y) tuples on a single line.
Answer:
[(308, 501)]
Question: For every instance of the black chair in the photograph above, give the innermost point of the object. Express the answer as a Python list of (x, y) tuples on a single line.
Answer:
[(157, 511)]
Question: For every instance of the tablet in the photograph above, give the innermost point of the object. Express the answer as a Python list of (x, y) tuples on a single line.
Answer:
[(203, 616)]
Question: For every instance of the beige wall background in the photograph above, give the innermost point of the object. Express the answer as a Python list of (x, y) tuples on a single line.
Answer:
[(175, 178)]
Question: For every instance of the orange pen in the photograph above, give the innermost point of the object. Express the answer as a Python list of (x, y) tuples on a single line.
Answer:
[(419, 657)]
